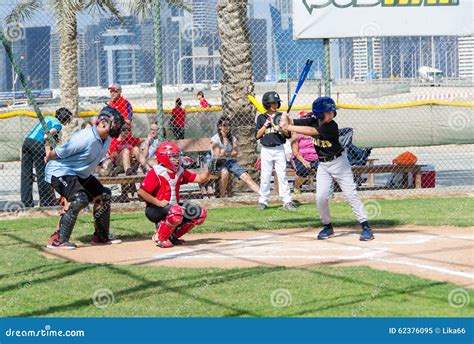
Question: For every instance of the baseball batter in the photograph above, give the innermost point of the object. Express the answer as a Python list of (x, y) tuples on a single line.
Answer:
[(333, 164), (273, 152)]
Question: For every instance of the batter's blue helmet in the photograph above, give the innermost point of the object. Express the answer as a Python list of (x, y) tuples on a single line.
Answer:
[(321, 105)]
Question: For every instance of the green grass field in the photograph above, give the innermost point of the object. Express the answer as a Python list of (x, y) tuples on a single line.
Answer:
[(32, 285)]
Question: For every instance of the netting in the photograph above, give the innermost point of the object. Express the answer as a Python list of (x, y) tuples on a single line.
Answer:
[(398, 94)]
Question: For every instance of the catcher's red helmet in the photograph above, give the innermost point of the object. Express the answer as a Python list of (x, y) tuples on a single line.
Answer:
[(163, 153)]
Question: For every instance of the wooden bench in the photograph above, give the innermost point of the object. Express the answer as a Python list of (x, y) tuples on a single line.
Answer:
[(371, 169)]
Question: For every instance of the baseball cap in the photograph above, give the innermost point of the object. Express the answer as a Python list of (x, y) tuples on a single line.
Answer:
[(302, 114), (115, 87)]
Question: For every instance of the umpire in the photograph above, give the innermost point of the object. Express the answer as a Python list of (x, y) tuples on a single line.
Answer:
[(32, 155), (69, 170)]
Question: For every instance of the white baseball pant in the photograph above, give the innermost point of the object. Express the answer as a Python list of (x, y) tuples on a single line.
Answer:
[(270, 156), (340, 170)]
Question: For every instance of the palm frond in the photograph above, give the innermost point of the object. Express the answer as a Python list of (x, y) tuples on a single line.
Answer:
[(24, 10), (144, 8), (103, 6)]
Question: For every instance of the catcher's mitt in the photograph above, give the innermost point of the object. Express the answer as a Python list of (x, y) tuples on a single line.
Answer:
[(215, 165)]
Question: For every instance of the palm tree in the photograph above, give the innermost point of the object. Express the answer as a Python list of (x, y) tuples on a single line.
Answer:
[(237, 83), (65, 13)]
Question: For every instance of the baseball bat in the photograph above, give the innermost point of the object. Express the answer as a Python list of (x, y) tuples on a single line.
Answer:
[(304, 74), (257, 105), (8, 48), (262, 110)]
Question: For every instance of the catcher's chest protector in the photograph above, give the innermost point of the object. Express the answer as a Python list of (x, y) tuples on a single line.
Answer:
[(161, 171)]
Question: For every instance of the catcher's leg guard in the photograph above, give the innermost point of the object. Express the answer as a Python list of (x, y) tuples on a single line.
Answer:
[(102, 215), (78, 202), (182, 230), (165, 227)]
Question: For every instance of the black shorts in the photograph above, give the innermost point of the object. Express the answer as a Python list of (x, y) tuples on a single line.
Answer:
[(155, 214), (69, 185)]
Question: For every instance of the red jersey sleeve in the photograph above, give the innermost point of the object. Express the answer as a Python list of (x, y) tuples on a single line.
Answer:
[(188, 177), (151, 182), (113, 146)]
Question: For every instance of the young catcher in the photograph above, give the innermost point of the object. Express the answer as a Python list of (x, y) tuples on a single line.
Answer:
[(333, 163), (160, 191), (273, 152), (69, 171)]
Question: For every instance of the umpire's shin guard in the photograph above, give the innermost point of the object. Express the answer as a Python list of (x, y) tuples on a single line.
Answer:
[(102, 215), (78, 202)]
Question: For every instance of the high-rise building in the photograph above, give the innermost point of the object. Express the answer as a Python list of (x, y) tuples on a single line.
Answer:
[(94, 62), (36, 64), (285, 8), (292, 54), (466, 57), (54, 60), (205, 15), (81, 59), (122, 54), (258, 37)]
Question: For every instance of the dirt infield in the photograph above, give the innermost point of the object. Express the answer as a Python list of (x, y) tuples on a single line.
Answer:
[(438, 253)]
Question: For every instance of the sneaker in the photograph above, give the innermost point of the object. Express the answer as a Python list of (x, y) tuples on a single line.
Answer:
[(262, 206), (176, 241), (54, 237), (290, 206), (366, 234), (164, 244), (56, 244), (111, 239), (326, 232)]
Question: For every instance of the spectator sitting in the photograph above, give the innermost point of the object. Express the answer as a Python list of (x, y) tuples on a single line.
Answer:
[(120, 103), (202, 100), (33, 152), (123, 150), (304, 159), (178, 120), (149, 147), (224, 144)]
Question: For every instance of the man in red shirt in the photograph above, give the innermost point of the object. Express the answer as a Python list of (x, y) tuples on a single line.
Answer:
[(120, 103), (178, 120), (124, 148), (160, 191), (202, 100)]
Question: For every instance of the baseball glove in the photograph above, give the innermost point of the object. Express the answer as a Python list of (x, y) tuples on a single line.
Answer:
[(215, 165)]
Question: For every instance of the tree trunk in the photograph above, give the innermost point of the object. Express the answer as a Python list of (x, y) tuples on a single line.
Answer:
[(237, 83), (68, 76)]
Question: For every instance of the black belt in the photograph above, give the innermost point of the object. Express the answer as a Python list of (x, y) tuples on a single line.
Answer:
[(329, 158)]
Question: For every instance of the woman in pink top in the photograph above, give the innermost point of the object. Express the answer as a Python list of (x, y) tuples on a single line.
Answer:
[(304, 158)]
